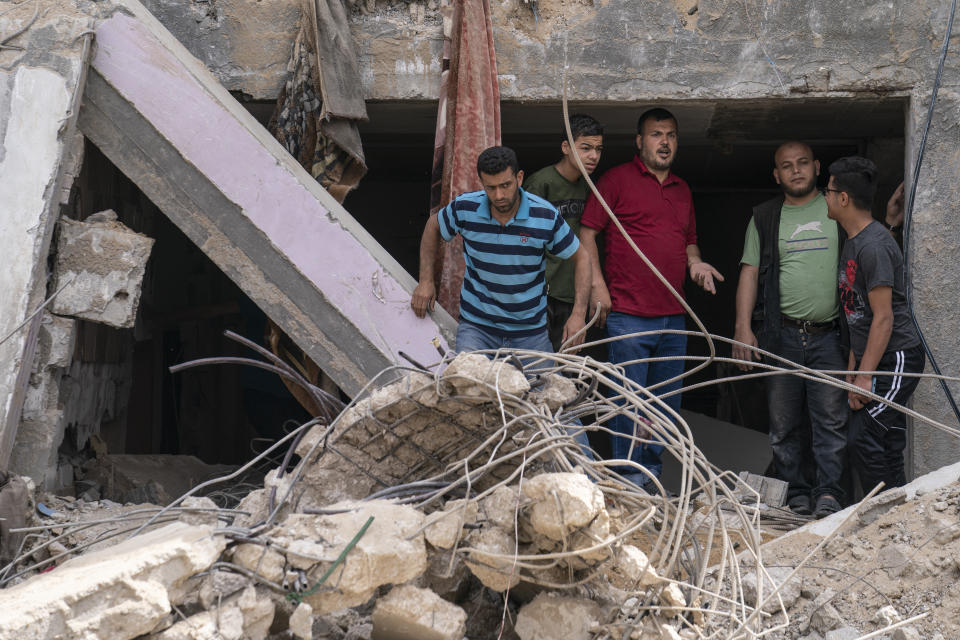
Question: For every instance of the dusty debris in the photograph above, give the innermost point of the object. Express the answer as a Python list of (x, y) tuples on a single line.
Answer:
[(301, 621), (411, 613), (553, 617), (120, 592), (444, 528)]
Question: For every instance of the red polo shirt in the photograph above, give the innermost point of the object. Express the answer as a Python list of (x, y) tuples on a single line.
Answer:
[(660, 220)]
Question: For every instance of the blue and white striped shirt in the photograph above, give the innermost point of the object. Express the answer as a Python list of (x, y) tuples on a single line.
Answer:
[(504, 287)]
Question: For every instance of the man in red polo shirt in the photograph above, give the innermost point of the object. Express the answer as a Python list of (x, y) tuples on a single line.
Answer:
[(655, 208)]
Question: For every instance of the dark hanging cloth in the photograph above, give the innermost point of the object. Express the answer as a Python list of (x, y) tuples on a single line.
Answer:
[(322, 100)]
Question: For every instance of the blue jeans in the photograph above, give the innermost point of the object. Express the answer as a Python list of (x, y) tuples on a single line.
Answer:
[(790, 397), (645, 374), (473, 337)]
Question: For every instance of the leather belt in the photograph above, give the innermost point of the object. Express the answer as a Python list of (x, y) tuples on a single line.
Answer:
[(807, 326)]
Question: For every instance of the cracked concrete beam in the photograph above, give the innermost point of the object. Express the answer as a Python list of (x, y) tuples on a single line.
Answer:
[(165, 121)]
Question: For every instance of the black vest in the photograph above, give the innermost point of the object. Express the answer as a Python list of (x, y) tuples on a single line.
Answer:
[(765, 320), (766, 311)]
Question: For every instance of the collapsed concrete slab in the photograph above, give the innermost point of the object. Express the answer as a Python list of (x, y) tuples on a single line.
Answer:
[(246, 616), (119, 592), (152, 109)]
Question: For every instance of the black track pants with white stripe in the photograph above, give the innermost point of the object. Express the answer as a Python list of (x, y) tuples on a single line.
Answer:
[(877, 434)]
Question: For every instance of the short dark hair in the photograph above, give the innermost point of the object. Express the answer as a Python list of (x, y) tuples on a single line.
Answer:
[(657, 113), (857, 177), (582, 125), (496, 159)]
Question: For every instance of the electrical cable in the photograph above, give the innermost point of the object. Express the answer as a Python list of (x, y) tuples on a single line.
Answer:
[(908, 210)]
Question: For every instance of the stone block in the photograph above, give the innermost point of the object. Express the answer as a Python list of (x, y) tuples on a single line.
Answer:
[(775, 577), (58, 338), (557, 391), (119, 592), (906, 633), (825, 618), (562, 502), (553, 617), (446, 526), (261, 560), (247, 616), (473, 375), (301, 622), (496, 573), (101, 264), (843, 633), (35, 450), (880, 504), (411, 613), (635, 566)]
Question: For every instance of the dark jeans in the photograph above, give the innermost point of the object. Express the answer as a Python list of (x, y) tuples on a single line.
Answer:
[(645, 374), (789, 397), (878, 432), (558, 312)]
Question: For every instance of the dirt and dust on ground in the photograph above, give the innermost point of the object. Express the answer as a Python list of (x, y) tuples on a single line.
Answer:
[(458, 504)]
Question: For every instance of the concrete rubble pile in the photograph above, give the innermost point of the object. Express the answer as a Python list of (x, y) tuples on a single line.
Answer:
[(450, 506)]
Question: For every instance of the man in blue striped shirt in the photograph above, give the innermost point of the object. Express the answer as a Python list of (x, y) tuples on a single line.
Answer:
[(506, 233)]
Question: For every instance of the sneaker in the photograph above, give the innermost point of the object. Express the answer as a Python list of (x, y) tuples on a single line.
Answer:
[(826, 505), (800, 505)]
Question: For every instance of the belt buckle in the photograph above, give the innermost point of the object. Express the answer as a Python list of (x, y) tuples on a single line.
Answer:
[(805, 326)]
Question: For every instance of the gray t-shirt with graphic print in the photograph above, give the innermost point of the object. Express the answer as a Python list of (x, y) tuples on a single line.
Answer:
[(868, 260)]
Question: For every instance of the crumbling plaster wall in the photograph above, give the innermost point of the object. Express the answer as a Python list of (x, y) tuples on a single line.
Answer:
[(667, 51)]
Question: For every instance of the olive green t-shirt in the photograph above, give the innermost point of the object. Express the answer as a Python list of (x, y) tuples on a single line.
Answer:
[(809, 246), (569, 199)]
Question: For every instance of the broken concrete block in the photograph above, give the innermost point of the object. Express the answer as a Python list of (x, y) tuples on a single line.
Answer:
[(556, 392), (119, 592), (301, 621), (496, 573), (101, 266), (562, 502), (199, 511), (880, 504), (887, 615), (500, 507), (553, 617), (123, 476), (774, 577), (773, 492), (672, 599), (906, 633), (261, 560), (473, 375), (246, 616), (219, 585), (825, 618), (391, 551), (844, 633), (445, 526), (635, 566), (411, 613)]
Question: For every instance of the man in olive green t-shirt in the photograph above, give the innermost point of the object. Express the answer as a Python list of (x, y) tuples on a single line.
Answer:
[(787, 303), (562, 185)]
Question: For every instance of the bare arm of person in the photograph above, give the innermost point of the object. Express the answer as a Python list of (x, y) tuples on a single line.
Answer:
[(743, 331), (425, 294)]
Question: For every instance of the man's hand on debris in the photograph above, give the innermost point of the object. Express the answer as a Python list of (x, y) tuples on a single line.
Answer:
[(741, 352), (423, 298), (856, 400)]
